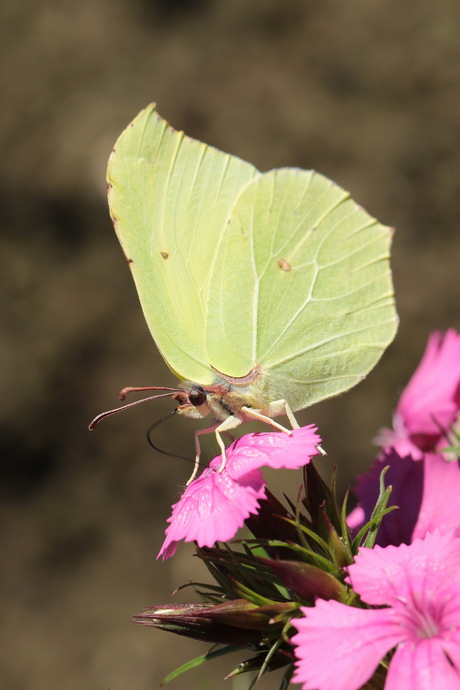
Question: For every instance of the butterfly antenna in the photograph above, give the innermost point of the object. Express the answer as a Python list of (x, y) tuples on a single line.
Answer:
[(141, 389), (125, 392)]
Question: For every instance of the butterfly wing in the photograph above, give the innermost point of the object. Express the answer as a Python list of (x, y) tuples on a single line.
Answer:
[(170, 198), (313, 299)]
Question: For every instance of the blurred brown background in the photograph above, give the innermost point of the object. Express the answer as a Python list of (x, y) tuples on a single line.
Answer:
[(365, 92)]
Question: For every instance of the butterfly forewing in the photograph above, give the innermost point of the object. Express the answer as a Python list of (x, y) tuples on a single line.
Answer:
[(170, 197)]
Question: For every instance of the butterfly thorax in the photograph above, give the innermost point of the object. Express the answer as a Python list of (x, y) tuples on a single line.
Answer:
[(226, 397)]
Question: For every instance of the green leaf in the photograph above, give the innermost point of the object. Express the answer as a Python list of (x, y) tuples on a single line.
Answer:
[(198, 661)]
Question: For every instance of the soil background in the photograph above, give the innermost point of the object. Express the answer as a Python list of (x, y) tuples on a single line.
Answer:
[(365, 92)]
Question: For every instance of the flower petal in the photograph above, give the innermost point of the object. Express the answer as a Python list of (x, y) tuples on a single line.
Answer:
[(338, 647), (213, 508), (431, 398), (406, 478), (430, 403), (356, 519), (392, 575), (440, 506), (270, 449), (427, 493), (422, 666)]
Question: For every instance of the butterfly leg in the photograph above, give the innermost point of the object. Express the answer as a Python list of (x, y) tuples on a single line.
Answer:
[(221, 427), (274, 409), (230, 422), (282, 407), (208, 430), (255, 414)]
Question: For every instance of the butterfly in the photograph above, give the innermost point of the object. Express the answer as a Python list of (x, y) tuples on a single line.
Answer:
[(264, 292)]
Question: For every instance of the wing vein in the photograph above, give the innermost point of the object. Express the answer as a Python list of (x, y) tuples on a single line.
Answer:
[(326, 341)]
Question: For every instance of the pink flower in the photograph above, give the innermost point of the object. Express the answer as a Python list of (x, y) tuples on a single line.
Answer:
[(440, 504), (214, 506), (338, 647), (426, 492), (430, 403), (406, 478)]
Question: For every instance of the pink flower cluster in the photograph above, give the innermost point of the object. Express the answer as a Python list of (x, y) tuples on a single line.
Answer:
[(408, 620), (412, 577)]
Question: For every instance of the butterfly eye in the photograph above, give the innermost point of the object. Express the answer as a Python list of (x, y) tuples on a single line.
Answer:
[(197, 396)]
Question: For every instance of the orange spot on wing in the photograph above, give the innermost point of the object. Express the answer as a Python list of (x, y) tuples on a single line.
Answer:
[(284, 265)]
